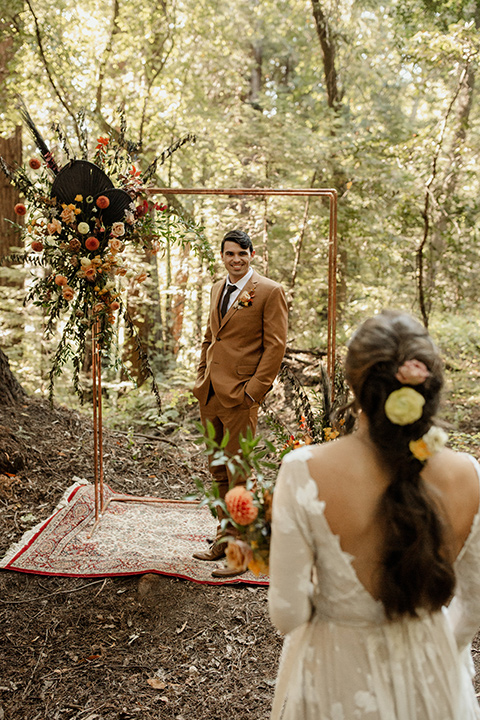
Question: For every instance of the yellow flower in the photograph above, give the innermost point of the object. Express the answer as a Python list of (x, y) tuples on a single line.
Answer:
[(258, 566), (78, 198), (404, 406), (419, 449)]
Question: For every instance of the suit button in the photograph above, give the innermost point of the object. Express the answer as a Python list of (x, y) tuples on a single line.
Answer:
[(218, 339)]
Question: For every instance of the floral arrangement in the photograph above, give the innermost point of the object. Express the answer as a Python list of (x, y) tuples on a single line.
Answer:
[(78, 222), (405, 406), (250, 511), (245, 299)]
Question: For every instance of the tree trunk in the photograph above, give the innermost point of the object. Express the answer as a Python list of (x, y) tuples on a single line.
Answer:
[(11, 392), (11, 152)]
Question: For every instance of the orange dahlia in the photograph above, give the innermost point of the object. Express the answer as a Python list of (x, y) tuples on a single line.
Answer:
[(239, 502)]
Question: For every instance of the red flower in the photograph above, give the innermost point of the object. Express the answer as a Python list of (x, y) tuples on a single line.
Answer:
[(134, 172), (92, 243), (102, 143), (34, 163), (142, 209), (20, 209), (102, 202), (37, 246), (239, 502)]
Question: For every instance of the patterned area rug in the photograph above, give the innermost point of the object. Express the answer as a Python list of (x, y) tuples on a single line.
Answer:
[(131, 538)]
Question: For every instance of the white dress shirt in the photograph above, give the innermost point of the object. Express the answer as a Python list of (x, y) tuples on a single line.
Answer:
[(240, 285)]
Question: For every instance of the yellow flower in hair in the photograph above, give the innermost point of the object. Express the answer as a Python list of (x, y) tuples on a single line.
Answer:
[(420, 449), (404, 406), (432, 442)]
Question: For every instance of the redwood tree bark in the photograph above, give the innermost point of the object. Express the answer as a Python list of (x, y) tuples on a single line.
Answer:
[(11, 391)]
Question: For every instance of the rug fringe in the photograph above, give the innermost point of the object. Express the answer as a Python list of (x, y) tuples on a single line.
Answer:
[(30, 534)]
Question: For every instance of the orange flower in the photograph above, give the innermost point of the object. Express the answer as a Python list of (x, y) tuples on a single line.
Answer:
[(20, 209), (68, 214), (34, 163), (239, 502), (102, 202), (142, 277), (68, 293), (258, 566), (239, 555), (114, 305), (61, 280), (54, 227), (420, 449), (92, 243), (37, 246), (90, 272)]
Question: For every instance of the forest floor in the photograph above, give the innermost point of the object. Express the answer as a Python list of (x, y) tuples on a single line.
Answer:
[(139, 647)]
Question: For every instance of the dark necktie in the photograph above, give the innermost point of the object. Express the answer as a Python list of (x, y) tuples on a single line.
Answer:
[(230, 289)]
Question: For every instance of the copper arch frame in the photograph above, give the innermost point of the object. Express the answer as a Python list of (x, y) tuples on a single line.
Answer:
[(100, 505), (332, 244)]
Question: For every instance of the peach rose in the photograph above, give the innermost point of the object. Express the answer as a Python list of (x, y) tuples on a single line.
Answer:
[(239, 502), (114, 305), (239, 555), (412, 372), (92, 243), (90, 273), (118, 229), (37, 246), (68, 214), (68, 293), (61, 280), (55, 226), (115, 245)]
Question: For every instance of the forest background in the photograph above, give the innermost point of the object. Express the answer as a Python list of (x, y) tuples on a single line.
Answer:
[(374, 100)]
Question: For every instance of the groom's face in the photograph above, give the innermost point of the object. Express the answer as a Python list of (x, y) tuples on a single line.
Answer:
[(236, 260)]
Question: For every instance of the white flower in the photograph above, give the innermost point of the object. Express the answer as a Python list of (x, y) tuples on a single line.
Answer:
[(85, 262), (435, 439), (83, 228)]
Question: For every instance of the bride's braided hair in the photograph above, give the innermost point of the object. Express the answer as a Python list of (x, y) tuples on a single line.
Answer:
[(416, 568)]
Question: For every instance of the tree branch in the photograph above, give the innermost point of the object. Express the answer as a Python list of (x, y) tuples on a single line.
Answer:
[(49, 73)]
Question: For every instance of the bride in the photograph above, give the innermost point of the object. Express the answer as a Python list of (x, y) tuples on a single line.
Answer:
[(375, 552)]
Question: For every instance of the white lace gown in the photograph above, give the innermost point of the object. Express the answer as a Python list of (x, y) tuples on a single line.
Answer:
[(342, 660)]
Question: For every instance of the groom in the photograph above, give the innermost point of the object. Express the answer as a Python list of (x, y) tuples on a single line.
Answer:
[(241, 355)]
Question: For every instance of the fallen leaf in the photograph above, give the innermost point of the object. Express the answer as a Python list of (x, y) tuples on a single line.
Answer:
[(156, 683)]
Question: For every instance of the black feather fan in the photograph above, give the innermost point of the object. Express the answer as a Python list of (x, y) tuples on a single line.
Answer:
[(119, 202), (79, 177)]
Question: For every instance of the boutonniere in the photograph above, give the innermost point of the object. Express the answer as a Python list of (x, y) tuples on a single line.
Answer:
[(245, 298)]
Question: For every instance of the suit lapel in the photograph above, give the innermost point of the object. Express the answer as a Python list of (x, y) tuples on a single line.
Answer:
[(248, 287), (217, 294)]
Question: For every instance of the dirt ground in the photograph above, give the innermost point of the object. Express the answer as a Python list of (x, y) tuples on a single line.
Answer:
[(119, 648)]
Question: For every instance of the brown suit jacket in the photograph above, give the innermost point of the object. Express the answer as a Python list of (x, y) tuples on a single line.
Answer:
[(243, 352)]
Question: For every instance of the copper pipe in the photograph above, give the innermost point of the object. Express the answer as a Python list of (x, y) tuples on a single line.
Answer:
[(241, 191), (95, 418)]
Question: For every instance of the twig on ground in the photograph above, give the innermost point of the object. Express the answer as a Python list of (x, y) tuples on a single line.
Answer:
[(57, 592)]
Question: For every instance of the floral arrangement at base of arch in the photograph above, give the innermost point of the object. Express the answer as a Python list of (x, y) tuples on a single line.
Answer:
[(246, 510), (78, 223)]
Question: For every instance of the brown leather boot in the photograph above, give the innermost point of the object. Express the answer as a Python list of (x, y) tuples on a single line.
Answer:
[(216, 552)]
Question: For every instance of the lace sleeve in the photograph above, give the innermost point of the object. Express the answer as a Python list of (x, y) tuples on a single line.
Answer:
[(464, 610), (291, 551)]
